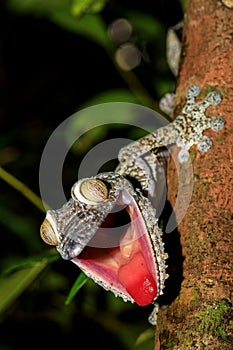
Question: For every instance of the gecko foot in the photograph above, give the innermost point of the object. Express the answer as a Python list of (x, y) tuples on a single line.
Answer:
[(193, 122)]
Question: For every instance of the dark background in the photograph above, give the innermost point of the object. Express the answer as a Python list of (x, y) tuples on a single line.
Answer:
[(46, 74)]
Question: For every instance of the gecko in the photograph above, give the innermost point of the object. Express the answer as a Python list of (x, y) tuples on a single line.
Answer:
[(109, 227)]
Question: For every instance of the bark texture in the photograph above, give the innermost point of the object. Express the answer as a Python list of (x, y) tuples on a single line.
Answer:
[(200, 317)]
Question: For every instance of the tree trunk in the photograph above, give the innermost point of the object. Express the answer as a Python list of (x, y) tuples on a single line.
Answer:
[(200, 316)]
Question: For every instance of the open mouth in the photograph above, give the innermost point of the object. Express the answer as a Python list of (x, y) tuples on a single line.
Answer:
[(121, 253)]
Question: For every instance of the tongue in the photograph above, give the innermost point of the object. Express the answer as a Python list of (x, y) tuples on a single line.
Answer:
[(137, 280)]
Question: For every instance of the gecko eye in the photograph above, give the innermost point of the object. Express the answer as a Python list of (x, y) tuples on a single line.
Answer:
[(48, 233), (89, 191)]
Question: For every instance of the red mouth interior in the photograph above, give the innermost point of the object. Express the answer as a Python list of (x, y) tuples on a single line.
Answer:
[(121, 256)]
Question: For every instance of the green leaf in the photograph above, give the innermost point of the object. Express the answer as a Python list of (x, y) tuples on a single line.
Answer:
[(51, 256), (98, 133), (39, 7), (114, 95), (62, 13), (14, 284), (91, 26), (144, 337), (22, 188), (17, 277), (146, 26), (100, 108), (87, 6), (80, 281), (95, 120)]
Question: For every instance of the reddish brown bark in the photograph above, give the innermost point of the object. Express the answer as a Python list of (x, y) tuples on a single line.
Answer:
[(199, 318)]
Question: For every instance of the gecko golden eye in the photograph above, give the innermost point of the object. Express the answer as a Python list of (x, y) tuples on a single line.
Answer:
[(48, 234), (90, 191)]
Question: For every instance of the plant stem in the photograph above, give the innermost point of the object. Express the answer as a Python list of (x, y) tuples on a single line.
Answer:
[(22, 188)]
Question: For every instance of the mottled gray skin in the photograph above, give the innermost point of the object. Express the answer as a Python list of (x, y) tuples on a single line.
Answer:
[(76, 222)]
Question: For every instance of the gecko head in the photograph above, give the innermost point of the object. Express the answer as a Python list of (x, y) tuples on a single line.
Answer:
[(95, 203), (110, 231)]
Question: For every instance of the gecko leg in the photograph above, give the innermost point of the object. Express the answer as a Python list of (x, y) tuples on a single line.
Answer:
[(186, 130)]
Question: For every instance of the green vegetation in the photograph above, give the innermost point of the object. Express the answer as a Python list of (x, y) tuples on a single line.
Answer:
[(58, 57), (212, 319)]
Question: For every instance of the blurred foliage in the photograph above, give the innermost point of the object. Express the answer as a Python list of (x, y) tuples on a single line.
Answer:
[(87, 6), (57, 57), (64, 12)]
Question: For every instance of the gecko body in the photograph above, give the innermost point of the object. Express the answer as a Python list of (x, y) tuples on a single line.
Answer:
[(109, 228)]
